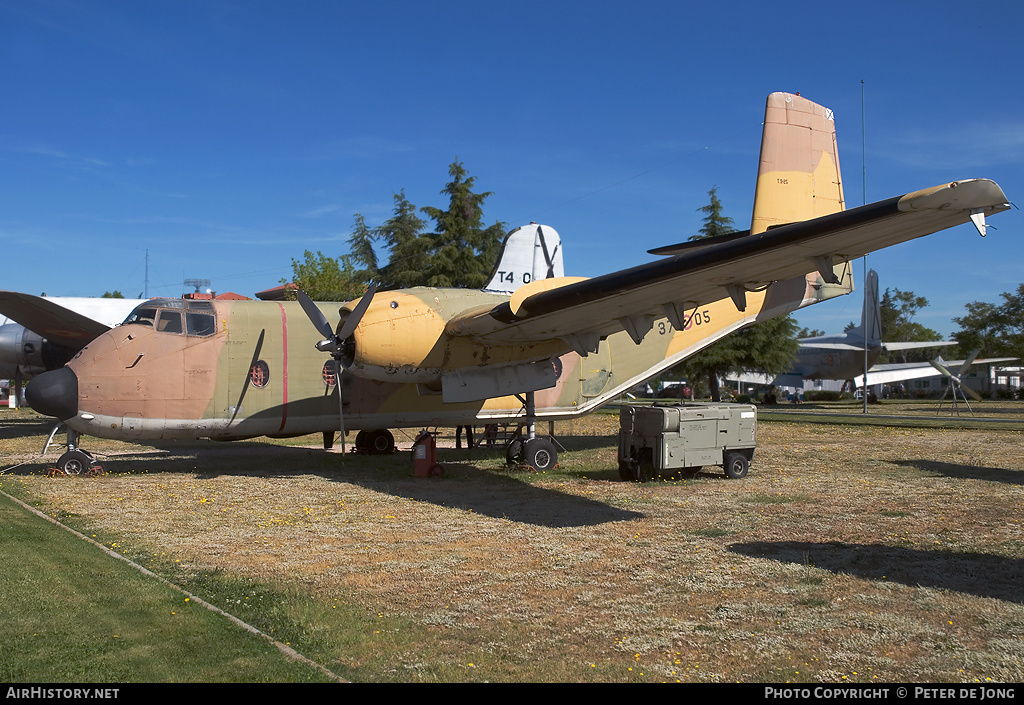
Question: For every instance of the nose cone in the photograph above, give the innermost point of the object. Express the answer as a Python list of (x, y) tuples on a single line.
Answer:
[(54, 393)]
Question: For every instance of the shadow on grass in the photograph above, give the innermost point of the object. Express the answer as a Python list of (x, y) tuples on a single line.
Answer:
[(497, 493), (980, 574), (966, 472)]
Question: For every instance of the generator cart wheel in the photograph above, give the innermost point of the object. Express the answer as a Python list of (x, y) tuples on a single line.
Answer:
[(625, 471), (645, 471), (736, 466)]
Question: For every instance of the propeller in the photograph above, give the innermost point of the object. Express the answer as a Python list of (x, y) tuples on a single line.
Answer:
[(940, 364), (332, 342)]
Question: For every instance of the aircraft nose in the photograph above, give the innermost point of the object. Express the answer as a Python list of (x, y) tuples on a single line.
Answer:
[(54, 393)]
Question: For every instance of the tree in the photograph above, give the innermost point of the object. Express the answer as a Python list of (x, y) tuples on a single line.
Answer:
[(115, 294), (897, 310), (361, 252), (767, 347), (463, 252), (325, 278), (408, 248), (715, 223), (459, 253), (995, 329)]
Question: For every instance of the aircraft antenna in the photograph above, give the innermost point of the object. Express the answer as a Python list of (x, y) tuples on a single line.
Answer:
[(864, 199), (199, 284)]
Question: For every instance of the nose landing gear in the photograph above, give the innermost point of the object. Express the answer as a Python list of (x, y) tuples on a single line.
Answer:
[(74, 461)]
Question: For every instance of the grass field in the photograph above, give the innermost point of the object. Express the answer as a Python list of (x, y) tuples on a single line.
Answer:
[(851, 553)]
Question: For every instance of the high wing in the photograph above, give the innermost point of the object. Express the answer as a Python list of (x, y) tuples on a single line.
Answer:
[(887, 346), (903, 371), (918, 346), (583, 312), (52, 321)]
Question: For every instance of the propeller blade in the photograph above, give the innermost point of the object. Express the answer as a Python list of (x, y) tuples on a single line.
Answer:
[(341, 402), (357, 313), (970, 360), (974, 394), (315, 315), (939, 364)]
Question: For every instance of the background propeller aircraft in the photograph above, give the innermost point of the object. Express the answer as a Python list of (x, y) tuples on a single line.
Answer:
[(42, 333), (554, 348), (843, 356)]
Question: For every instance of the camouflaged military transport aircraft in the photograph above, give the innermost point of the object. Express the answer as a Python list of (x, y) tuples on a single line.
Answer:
[(554, 348)]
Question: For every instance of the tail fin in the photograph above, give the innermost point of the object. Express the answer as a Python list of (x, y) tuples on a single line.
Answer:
[(798, 174), (529, 253), (871, 318)]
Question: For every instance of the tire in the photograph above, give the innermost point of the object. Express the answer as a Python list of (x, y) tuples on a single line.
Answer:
[(645, 471), (625, 471), (380, 442), (736, 466), (75, 462), (514, 451), (540, 454)]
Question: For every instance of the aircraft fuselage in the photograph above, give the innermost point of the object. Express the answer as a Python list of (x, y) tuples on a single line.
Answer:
[(238, 369)]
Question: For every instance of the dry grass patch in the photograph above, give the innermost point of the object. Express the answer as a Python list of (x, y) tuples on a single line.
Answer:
[(848, 553)]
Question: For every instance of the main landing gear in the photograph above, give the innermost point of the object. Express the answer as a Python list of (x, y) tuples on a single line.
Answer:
[(536, 451)]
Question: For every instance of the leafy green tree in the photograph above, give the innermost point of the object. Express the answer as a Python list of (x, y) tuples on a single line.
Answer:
[(325, 278), (897, 310), (767, 347), (995, 329), (115, 294)]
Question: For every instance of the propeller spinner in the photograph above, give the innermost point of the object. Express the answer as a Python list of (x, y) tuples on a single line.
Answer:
[(955, 380), (333, 342)]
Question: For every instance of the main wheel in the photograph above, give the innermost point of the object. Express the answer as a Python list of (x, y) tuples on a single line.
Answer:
[(540, 454), (736, 466), (514, 451), (74, 462), (380, 442)]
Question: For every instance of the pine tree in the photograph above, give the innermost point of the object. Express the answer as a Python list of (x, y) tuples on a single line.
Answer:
[(463, 252), (768, 347)]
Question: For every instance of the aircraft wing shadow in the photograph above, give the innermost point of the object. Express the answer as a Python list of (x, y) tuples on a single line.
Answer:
[(493, 494), (979, 574)]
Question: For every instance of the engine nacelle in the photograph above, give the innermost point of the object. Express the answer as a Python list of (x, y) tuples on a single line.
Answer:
[(29, 351), (402, 339)]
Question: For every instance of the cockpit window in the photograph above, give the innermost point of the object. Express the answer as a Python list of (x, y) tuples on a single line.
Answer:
[(170, 322), (166, 316), (200, 323), (145, 315)]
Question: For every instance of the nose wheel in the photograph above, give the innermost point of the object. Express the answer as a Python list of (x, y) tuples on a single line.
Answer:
[(76, 462)]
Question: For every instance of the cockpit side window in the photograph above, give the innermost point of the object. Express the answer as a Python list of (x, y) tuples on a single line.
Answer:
[(170, 322), (144, 315), (200, 323)]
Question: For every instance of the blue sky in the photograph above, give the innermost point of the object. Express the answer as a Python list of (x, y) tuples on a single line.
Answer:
[(226, 137)]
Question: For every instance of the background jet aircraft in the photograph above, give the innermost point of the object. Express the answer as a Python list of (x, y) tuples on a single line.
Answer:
[(554, 348), (42, 333)]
